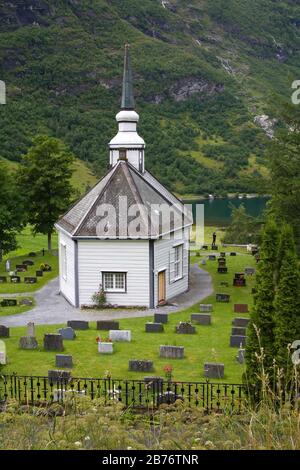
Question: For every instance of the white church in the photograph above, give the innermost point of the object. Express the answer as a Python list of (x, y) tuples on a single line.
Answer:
[(128, 234)]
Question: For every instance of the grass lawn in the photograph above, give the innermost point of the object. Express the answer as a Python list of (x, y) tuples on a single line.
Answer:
[(210, 343), (10, 288), (14, 310), (28, 242)]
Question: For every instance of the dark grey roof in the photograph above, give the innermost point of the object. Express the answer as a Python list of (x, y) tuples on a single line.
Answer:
[(88, 217)]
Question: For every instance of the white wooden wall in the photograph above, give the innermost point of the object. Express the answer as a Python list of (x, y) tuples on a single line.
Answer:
[(163, 259), (131, 256), (67, 286)]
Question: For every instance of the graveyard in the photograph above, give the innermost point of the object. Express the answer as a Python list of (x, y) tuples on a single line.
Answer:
[(200, 336)]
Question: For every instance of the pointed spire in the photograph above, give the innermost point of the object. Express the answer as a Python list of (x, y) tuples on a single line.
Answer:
[(127, 91)]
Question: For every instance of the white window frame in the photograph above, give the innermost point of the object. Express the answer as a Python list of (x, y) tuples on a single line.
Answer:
[(114, 275), (178, 263), (64, 263)]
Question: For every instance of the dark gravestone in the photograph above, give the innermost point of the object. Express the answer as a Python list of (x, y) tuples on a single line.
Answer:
[(107, 325), (222, 270), (168, 398), (214, 247), (63, 360), (249, 271), (240, 321), (205, 247), (185, 328), (32, 254), (238, 331), (222, 254), (67, 333), (4, 331), (28, 262), (161, 318), (3, 279), (136, 365), (221, 261), (61, 376), (239, 280), (53, 342), (9, 302), (201, 318), (21, 268), (224, 284), (237, 340), (28, 342), (233, 253), (214, 370), (212, 257), (253, 290), (171, 352), (78, 324), (39, 273), (206, 308), (240, 308), (15, 279), (154, 383), (154, 327), (26, 302), (30, 280), (222, 298)]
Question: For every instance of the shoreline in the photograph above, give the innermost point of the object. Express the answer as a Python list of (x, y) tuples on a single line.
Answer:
[(201, 197)]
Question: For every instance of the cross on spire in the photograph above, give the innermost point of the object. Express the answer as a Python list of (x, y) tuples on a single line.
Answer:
[(127, 90)]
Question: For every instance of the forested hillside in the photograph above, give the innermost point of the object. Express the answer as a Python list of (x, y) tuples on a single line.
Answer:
[(204, 70)]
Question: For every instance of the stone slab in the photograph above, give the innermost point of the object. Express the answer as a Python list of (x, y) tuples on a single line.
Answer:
[(78, 324), (171, 352), (120, 335)]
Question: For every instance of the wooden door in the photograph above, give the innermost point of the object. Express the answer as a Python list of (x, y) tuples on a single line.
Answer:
[(161, 287)]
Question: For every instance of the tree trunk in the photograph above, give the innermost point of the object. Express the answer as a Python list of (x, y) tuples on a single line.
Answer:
[(49, 241)]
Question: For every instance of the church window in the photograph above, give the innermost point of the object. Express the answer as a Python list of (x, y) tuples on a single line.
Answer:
[(114, 282)]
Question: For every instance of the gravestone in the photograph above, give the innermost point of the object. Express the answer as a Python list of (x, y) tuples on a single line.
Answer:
[(185, 328), (154, 383), (107, 325), (30, 280), (214, 370), (222, 270), (15, 279), (78, 324), (7, 266), (253, 290), (206, 308), (62, 376), (3, 279), (249, 271), (67, 333), (221, 261), (203, 262), (3, 358), (26, 302), (223, 298), (240, 357), (238, 330), (214, 247), (212, 257), (30, 329), (236, 341), (205, 247), (39, 273), (32, 254), (171, 352), (241, 321), (239, 280), (201, 318), (154, 327), (136, 365), (4, 331), (232, 253), (9, 302), (21, 268), (120, 335), (105, 348), (28, 342), (222, 254), (240, 308), (161, 318), (28, 262), (224, 284), (168, 397), (63, 360), (53, 342)]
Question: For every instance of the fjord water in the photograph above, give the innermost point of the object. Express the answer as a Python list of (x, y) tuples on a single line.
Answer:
[(218, 211)]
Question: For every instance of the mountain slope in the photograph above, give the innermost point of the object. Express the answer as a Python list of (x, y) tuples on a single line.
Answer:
[(202, 69)]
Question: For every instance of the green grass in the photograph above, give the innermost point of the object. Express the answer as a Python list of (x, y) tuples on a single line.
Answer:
[(28, 242), (5, 311), (210, 343)]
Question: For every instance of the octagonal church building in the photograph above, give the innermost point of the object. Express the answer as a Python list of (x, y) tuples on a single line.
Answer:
[(128, 234)]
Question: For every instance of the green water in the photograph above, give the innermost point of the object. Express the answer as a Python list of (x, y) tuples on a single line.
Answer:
[(217, 211)]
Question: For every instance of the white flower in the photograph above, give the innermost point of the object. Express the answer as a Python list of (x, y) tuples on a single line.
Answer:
[(78, 444)]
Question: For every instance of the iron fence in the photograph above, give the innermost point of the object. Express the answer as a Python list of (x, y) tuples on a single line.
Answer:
[(207, 395)]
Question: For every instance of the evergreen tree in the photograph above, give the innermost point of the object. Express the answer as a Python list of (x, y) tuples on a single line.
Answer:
[(45, 182), (260, 332), (286, 243)]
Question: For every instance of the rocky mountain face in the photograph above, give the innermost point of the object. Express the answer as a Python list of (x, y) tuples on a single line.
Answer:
[(205, 73)]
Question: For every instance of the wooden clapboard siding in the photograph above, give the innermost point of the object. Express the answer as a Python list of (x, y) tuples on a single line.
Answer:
[(131, 256), (163, 259), (67, 286)]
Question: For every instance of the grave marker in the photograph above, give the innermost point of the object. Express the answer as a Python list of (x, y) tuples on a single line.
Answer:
[(3, 279), (206, 308), (63, 360), (55, 376), (120, 335), (136, 365), (28, 342), (67, 333), (3, 358), (105, 348), (171, 352), (30, 280), (78, 324), (236, 341), (15, 279), (185, 328), (214, 370), (201, 318), (9, 302), (53, 342), (223, 298), (154, 327), (240, 308), (161, 318), (107, 325), (4, 331), (241, 321)]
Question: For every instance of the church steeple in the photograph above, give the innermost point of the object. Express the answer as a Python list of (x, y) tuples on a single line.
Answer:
[(127, 144), (127, 90)]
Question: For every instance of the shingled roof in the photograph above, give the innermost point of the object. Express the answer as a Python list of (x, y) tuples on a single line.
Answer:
[(89, 218)]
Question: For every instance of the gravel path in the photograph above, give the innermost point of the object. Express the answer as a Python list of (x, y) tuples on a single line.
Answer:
[(53, 309)]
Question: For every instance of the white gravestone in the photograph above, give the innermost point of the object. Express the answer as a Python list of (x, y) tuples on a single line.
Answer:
[(31, 329), (7, 266), (120, 335), (105, 348), (2, 353)]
